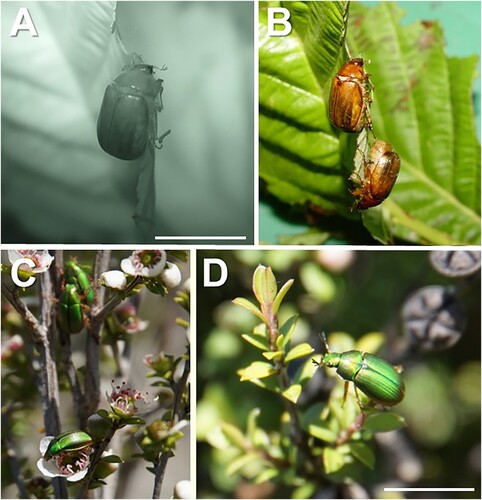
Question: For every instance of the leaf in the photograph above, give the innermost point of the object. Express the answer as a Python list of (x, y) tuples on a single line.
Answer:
[(299, 351), (270, 355), (422, 106), (299, 155), (280, 296), (264, 285), (241, 461), (333, 460), (286, 330), (384, 422), (363, 453), (257, 369), (234, 436), (292, 393), (239, 301), (256, 340), (266, 475), (321, 431), (53, 101)]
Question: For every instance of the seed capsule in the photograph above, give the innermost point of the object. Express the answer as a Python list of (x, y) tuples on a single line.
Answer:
[(380, 175), (350, 97)]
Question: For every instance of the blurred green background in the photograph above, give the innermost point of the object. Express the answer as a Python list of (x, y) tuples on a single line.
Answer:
[(356, 292)]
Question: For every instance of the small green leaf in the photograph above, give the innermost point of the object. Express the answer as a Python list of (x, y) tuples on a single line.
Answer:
[(306, 490), (257, 369), (333, 460), (384, 422), (112, 459), (134, 421), (266, 475), (270, 355), (280, 296), (234, 436), (363, 453), (321, 431), (239, 301), (256, 340), (299, 351), (292, 393), (252, 422), (241, 461), (287, 329), (264, 285)]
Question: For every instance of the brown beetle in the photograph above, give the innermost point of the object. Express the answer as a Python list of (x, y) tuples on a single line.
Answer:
[(350, 97), (380, 175)]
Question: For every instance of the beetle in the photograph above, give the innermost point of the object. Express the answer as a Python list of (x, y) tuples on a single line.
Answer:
[(380, 174), (71, 316), (350, 97), (372, 375), (75, 275), (127, 120), (67, 442)]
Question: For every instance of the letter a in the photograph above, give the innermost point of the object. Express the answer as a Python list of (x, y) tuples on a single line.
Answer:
[(23, 13)]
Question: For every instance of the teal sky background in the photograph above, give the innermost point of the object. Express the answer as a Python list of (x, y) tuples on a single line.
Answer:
[(461, 22)]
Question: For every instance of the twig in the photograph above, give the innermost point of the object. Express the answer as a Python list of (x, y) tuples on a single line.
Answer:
[(160, 467)]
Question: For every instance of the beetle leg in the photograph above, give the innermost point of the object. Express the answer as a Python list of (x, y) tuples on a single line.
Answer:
[(345, 393), (158, 141)]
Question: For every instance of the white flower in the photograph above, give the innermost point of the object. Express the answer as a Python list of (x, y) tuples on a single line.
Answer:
[(146, 263), (41, 258), (71, 465), (126, 402), (113, 279), (171, 275)]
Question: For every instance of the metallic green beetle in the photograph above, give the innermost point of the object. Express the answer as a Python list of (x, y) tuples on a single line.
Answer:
[(75, 275), (71, 317), (371, 374), (67, 442)]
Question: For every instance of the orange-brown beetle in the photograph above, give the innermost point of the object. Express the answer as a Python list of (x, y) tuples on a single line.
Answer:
[(380, 175), (350, 97)]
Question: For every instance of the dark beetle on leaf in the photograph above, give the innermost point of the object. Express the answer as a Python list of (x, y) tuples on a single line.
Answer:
[(128, 116)]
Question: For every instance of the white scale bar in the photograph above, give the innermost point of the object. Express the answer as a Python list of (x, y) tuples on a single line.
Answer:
[(199, 237), (428, 489)]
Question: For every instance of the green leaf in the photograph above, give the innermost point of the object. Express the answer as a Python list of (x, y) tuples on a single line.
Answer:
[(280, 296), (112, 459), (257, 369), (384, 422), (299, 155), (363, 453), (241, 461), (287, 329), (306, 490), (422, 106), (234, 436), (266, 475), (264, 285), (299, 351), (321, 431), (252, 424), (239, 301), (292, 393), (333, 459), (270, 355), (256, 340)]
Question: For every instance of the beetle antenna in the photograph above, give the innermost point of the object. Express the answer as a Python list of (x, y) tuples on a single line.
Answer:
[(323, 339)]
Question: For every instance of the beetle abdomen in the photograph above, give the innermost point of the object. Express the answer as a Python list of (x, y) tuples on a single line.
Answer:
[(380, 381), (123, 123)]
